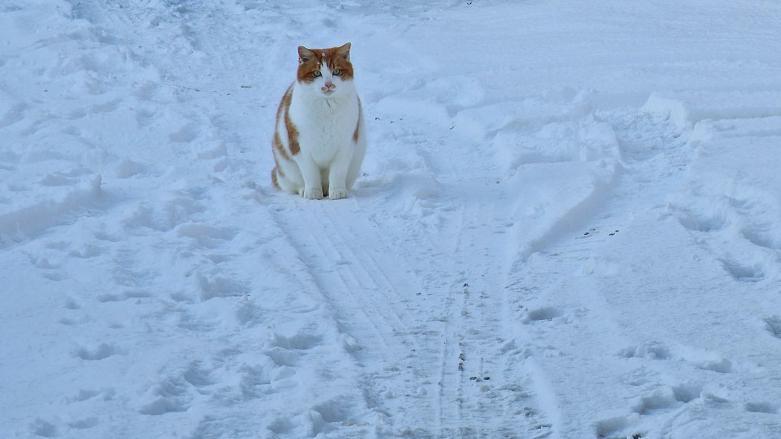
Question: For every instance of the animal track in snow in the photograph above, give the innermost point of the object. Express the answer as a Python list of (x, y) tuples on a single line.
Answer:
[(171, 395), (722, 365), (176, 210), (653, 349), (197, 375), (664, 398), (204, 235), (126, 295), (280, 426), (219, 286), (743, 272), (334, 411), (283, 357), (83, 424), (606, 428), (43, 428), (254, 381), (129, 168), (185, 134), (249, 313), (541, 314), (700, 220), (687, 392), (299, 341), (99, 352), (773, 326), (13, 115), (761, 407)]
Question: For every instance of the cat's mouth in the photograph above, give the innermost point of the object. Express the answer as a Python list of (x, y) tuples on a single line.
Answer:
[(328, 92)]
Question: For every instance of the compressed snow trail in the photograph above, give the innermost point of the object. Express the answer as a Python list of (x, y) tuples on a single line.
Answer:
[(567, 224)]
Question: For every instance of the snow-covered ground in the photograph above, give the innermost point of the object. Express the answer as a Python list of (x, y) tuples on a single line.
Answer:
[(569, 222)]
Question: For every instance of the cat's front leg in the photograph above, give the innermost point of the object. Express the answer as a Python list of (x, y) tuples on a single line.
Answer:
[(313, 186), (337, 174)]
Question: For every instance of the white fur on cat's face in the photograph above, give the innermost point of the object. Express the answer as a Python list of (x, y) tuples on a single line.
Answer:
[(325, 73), (327, 85)]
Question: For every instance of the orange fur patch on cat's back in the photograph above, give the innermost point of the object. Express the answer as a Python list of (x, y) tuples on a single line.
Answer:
[(357, 131), (274, 179), (279, 152), (283, 112)]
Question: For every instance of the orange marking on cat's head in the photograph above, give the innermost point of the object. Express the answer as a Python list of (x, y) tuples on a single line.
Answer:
[(310, 62)]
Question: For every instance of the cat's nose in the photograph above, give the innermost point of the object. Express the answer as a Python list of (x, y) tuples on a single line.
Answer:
[(329, 85)]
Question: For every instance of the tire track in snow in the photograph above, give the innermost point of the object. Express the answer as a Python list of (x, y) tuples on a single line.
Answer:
[(390, 345), (482, 393)]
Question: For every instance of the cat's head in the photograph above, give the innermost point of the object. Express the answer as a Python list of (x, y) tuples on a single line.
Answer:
[(325, 72)]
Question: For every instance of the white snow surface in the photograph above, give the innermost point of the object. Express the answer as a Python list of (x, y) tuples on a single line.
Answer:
[(568, 223)]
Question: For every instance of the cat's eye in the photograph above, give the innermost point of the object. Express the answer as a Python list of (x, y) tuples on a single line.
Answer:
[(337, 72), (316, 74)]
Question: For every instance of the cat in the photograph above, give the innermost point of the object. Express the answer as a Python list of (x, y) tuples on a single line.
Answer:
[(320, 140)]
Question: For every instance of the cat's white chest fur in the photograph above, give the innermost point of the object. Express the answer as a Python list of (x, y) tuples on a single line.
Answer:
[(325, 126)]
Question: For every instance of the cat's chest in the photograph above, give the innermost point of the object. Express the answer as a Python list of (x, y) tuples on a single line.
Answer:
[(323, 130)]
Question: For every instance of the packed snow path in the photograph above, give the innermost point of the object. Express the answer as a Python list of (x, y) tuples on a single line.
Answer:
[(569, 223)]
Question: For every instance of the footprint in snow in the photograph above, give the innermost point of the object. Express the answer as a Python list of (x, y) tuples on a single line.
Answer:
[(653, 350), (255, 381), (700, 220), (773, 326), (761, 407), (170, 395), (299, 341), (43, 428), (762, 237), (546, 313), (83, 424), (99, 352), (338, 411), (743, 272), (663, 399)]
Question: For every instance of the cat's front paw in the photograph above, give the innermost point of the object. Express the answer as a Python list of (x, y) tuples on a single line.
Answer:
[(314, 193), (337, 194)]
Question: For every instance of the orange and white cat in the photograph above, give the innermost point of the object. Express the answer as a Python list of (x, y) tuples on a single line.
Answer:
[(320, 140)]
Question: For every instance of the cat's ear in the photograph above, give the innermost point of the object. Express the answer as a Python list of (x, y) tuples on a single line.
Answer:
[(344, 51), (305, 54)]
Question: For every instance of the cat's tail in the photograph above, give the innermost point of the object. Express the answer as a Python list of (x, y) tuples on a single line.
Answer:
[(274, 180)]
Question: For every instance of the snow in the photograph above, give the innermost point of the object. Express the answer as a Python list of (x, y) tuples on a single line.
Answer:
[(568, 224)]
